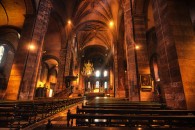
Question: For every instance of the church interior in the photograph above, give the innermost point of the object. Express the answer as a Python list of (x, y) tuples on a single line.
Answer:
[(97, 57)]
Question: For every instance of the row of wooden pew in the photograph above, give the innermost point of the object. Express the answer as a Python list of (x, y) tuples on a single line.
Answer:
[(114, 113), (19, 114)]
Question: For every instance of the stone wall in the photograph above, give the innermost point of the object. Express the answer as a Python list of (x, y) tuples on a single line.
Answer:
[(170, 20), (130, 52)]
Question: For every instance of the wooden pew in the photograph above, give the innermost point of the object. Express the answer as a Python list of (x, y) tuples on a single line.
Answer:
[(117, 113), (123, 107), (129, 120), (115, 128), (16, 115), (135, 111), (19, 114), (129, 104)]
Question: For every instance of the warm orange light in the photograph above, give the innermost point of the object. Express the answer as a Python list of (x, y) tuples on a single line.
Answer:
[(41, 84), (31, 47), (111, 24), (50, 92), (69, 22), (137, 47)]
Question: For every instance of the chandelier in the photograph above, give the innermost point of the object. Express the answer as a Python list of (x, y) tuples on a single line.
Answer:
[(87, 69)]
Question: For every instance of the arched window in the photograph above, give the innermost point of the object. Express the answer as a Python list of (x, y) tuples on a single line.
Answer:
[(1, 53), (105, 85), (97, 84)]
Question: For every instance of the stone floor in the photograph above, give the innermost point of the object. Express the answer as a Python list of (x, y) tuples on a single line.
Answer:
[(58, 121)]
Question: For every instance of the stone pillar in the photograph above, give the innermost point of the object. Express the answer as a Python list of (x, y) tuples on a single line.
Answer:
[(60, 79), (40, 30), (20, 56), (68, 58), (130, 53), (141, 52), (132, 73), (176, 51), (140, 39), (121, 69), (22, 81), (115, 57), (111, 82)]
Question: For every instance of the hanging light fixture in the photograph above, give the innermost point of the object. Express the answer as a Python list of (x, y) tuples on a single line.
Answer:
[(87, 69)]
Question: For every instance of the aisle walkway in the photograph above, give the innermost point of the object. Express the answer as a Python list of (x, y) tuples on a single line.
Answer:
[(58, 120)]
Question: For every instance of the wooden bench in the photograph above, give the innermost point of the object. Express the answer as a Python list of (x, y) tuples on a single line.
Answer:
[(130, 111), (108, 112), (124, 104), (114, 128), (123, 107), (19, 114), (130, 120)]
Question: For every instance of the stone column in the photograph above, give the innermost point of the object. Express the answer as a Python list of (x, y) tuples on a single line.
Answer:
[(115, 57), (24, 71), (130, 53), (40, 30), (60, 79), (68, 58), (140, 40), (141, 53), (132, 73), (20, 56), (121, 69), (176, 51)]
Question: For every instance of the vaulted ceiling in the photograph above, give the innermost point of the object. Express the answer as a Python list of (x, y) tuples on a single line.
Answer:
[(12, 13), (92, 22), (96, 24)]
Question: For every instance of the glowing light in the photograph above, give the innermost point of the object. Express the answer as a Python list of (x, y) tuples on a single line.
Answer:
[(50, 92), (137, 47), (111, 24), (105, 85), (31, 47), (158, 80), (69, 22), (97, 73), (41, 84), (105, 73), (19, 35)]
